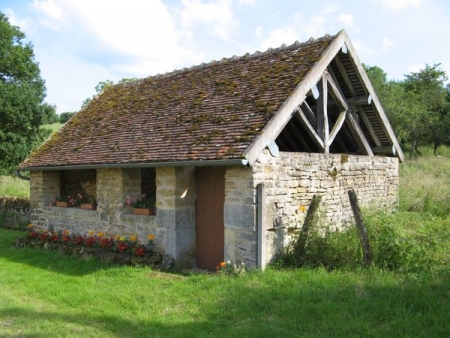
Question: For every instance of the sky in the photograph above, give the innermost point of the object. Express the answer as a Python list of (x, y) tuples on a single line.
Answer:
[(79, 43)]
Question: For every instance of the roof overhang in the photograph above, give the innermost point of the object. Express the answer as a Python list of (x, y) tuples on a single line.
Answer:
[(200, 163)]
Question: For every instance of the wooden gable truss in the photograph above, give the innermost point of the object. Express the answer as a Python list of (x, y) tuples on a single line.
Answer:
[(334, 109)]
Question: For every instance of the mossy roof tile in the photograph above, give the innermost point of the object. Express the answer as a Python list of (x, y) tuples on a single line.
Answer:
[(207, 112)]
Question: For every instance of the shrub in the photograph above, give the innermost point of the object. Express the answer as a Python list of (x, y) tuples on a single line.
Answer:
[(404, 242)]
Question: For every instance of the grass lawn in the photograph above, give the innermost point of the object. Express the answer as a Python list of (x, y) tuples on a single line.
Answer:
[(45, 295), (14, 186)]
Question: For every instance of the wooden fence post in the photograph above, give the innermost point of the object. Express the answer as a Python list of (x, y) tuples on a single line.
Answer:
[(304, 232), (362, 232)]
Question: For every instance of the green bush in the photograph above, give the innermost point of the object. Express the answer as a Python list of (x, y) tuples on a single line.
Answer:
[(404, 242), (64, 117)]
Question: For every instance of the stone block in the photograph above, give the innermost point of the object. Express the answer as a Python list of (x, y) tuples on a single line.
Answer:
[(240, 216)]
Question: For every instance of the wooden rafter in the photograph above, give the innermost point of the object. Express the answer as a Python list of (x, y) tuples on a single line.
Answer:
[(363, 145), (310, 129), (356, 101)]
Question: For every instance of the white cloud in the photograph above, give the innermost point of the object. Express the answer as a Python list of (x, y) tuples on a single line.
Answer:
[(361, 48), (48, 7), (300, 29), (277, 37), (398, 5), (316, 27), (15, 21), (348, 21), (247, 2), (329, 8), (135, 27), (388, 43), (218, 14)]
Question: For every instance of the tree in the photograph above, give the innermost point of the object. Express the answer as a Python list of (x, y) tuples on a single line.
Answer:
[(22, 93), (426, 88), (64, 117), (418, 107)]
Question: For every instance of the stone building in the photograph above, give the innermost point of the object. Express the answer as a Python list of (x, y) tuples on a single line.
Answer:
[(230, 153)]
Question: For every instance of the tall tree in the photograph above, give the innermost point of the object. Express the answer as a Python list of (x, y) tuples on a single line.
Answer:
[(418, 107), (22, 93), (426, 88)]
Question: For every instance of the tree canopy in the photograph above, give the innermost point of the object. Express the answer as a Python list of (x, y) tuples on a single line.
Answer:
[(417, 107), (22, 93)]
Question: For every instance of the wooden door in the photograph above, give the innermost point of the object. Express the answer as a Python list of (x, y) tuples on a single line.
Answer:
[(210, 217)]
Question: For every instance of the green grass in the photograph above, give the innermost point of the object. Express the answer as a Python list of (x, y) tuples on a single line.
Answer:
[(46, 295), (425, 185), (407, 294), (53, 127), (13, 186)]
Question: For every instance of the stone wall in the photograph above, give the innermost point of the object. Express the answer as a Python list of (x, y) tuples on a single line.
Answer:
[(240, 216), (173, 225), (292, 179), (14, 212)]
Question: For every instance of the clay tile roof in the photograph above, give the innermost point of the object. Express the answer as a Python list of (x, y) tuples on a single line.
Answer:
[(208, 112)]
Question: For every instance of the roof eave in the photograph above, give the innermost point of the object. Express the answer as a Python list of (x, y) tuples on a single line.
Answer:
[(199, 163), (375, 100)]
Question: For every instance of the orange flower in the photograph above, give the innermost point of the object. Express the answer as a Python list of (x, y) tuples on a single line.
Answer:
[(133, 238), (100, 234), (302, 208), (67, 232), (222, 264), (151, 237), (117, 237), (91, 232), (30, 226)]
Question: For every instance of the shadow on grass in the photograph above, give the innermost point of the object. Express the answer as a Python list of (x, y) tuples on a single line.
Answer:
[(326, 306)]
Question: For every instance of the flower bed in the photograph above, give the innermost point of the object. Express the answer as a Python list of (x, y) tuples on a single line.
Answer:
[(112, 249)]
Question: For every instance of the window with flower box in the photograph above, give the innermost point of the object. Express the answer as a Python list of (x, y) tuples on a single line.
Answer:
[(79, 182), (148, 184)]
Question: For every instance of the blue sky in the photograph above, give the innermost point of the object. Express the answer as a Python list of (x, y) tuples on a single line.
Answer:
[(79, 43)]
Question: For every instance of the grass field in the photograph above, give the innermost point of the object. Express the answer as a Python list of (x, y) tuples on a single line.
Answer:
[(14, 186), (406, 294), (53, 127), (45, 295)]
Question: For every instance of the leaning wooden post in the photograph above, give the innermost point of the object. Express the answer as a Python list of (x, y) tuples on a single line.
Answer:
[(304, 232), (362, 232)]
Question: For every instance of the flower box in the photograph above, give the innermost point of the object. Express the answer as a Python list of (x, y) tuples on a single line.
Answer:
[(144, 211), (63, 204), (88, 206)]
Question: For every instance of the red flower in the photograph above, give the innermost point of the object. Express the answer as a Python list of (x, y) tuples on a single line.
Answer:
[(106, 243), (32, 234), (54, 238), (65, 239), (121, 246), (90, 241), (140, 251), (78, 239), (43, 236)]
